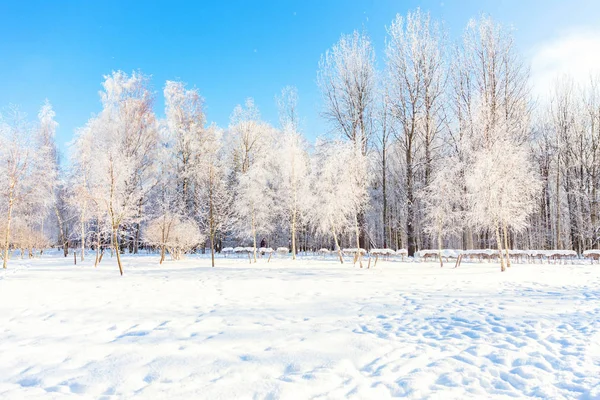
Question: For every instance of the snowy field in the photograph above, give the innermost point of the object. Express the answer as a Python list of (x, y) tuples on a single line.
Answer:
[(309, 329)]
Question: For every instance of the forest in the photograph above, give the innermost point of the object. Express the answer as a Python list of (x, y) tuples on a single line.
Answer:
[(437, 144)]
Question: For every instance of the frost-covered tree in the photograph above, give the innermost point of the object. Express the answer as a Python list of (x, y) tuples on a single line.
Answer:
[(167, 205), (338, 191), (293, 189), (384, 147), (80, 180), (124, 142), (416, 76), (496, 80), (185, 121), (25, 171), (173, 234), (293, 164), (443, 202), (489, 95), (503, 191), (85, 195), (212, 191), (253, 202), (347, 80)]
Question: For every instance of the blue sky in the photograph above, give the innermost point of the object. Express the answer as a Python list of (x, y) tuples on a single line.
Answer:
[(237, 49)]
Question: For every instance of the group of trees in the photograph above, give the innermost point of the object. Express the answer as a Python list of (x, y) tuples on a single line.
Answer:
[(444, 146), (449, 128)]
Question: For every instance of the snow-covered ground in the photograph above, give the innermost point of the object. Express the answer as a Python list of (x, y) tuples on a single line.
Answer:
[(309, 329)]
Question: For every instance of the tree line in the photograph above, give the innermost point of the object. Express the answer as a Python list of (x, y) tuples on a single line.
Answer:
[(444, 147)]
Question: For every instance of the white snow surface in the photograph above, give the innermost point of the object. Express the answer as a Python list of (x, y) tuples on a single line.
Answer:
[(312, 328)]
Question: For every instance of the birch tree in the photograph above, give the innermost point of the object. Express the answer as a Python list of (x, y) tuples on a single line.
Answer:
[(504, 187), (338, 192), (124, 138), (416, 77), (212, 190), (185, 120), (293, 163), (253, 199), (23, 169), (347, 80), (443, 202)]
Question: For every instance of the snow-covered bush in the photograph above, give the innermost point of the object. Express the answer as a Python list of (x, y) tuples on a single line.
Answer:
[(174, 235), (382, 252)]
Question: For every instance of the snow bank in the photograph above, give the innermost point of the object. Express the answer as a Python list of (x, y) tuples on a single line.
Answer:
[(551, 253), (479, 254), (446, 253), (380, 252), (353, 251), (588, 253)]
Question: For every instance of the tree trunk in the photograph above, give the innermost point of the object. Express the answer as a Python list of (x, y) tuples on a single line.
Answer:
[(294, 232), (136, 239), (337, 246), (117, 249), (63, 239), (83, 233), (505, 231), (253, 235), (557, 244), (410, 208), (440, 245), (99, 250), (162, 253), (163, 240), (499, 242), (212, 248), (7, 234), (211, 218), (358, 248)]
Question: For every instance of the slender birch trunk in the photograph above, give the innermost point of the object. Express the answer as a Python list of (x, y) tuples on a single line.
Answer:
[(162, 244), (505, 232), (294, 207), (83, 232), (211, 218), (62, 231), (7, 233), (337, 246), (116, 245), (293, 235), (98, 242), (358, 252), (439, 240), (162, 253), (499, 241), (253, 222)]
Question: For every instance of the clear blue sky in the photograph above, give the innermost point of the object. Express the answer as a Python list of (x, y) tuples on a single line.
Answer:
[(229, 50)]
